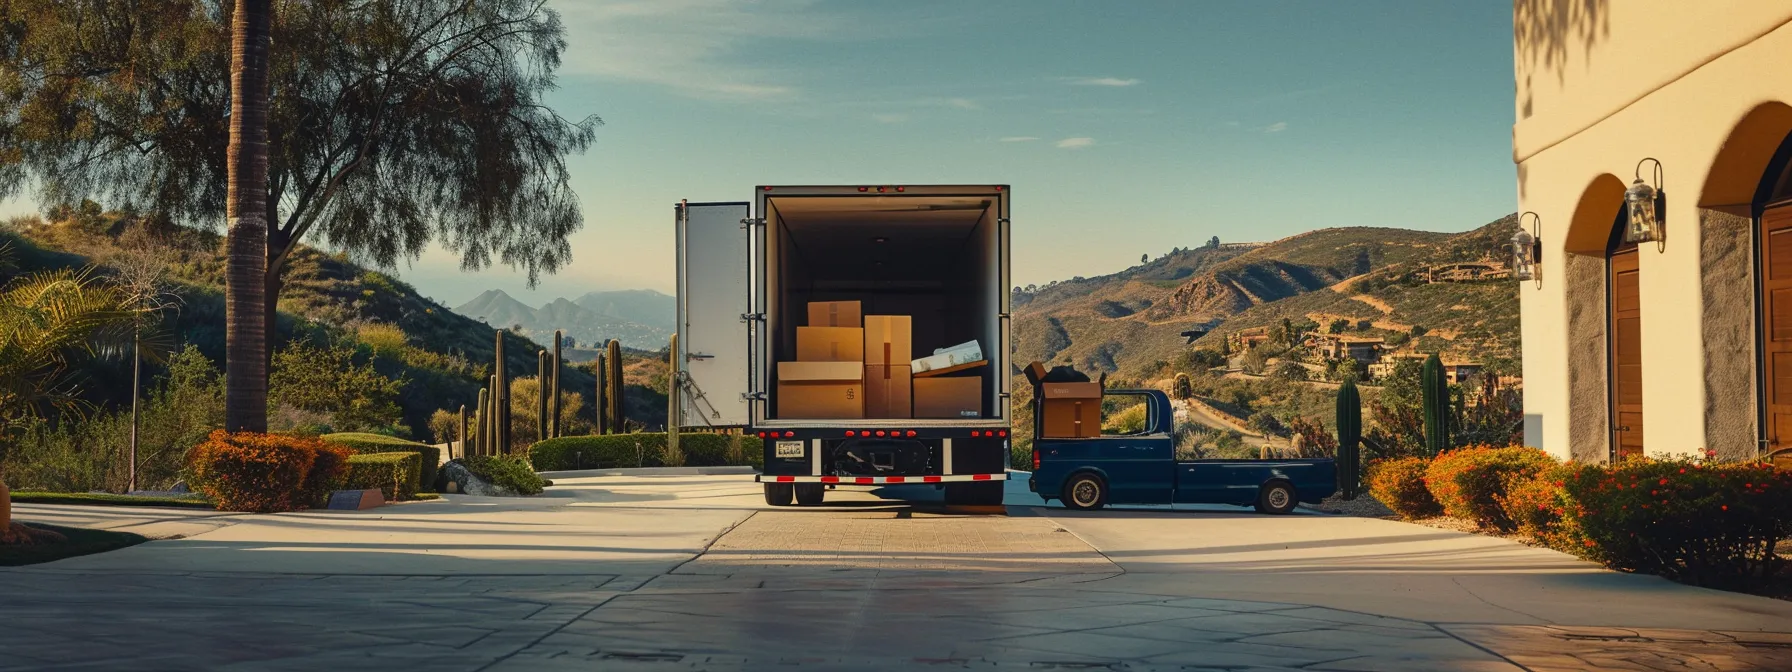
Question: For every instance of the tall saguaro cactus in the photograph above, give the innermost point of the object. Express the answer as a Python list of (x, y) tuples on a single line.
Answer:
[(554, 388), (1350, 438), (480, 418), (1436, 392), (541, 395), (613, 378), (600, 399), (500, 399), (463, 434)]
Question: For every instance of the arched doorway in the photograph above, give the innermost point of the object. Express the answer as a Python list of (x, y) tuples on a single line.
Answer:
[(1772, 208), (1624, 345)]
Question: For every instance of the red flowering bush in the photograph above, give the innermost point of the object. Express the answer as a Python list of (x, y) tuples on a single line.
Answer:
[(266, 473), (1400, 484), (1537, 507), (1470, 482), (1722, 525)]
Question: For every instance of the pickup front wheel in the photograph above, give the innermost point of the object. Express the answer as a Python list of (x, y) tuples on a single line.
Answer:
[(1085, 492), (1277, 497)]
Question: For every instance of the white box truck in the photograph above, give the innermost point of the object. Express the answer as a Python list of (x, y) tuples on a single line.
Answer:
[(746, 273)]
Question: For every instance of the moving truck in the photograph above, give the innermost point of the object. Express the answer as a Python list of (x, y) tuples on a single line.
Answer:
[(771, 293)]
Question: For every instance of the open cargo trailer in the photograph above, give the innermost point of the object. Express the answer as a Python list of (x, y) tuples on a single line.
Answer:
[(938, 254)]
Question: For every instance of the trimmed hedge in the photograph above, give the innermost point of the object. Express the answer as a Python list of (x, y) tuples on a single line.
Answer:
[(641, 449), (429, 457), (1400, 484), (393, 474), (266, 473), (509, 472), (1470, 483)]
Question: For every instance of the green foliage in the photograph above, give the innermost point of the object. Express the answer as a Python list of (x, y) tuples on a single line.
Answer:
[(1338, 326), (385, 340), (49, 321), (1435, 392), (1471, 483), (1400, 485), (613, 415), (1200, 360), (1317, 442), (1265, 422), (1290, 371), (525, 408), (367, 444), (107, 499), (395, 475), (1128, 420), (444, 426), (337, 381), (266, 473), (644, 449), (509, 472)]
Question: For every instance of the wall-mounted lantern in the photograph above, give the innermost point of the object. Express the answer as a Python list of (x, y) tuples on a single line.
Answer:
[(1527, 250), (1646, 206)]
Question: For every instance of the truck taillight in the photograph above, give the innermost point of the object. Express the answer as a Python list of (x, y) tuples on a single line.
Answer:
[(789, 434), (849, 433), (864, 188), (901, 189), (880, 432), (975, 433), (1002, 433), (911, 433), (1035, 458)]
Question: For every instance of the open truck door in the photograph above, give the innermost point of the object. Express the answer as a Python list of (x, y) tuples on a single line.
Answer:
[(714, 321)]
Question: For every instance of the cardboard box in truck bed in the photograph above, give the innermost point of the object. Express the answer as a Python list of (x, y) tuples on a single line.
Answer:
[(1071, 410), (887, 391), (955, 397), (821, 390), (834, 313), (943, 358), (888, 339), (830, 344)]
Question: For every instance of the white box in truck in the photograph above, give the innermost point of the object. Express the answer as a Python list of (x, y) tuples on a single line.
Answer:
[(746, 273)]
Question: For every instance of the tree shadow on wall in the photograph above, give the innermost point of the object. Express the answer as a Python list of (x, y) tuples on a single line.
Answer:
[(1544, 30)]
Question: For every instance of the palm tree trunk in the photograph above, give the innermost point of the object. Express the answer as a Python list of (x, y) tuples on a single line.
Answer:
[(245, 293)]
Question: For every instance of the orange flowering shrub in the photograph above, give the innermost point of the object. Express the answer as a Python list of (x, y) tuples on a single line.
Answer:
[(266, 473), (1400, 484), (1470, 482), (1720, 525), (1537, 507)]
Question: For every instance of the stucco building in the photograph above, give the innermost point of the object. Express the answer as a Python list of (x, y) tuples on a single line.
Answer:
[(1683, 342)]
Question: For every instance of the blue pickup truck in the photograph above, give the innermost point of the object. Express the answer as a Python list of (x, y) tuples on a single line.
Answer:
[(1142, 468)]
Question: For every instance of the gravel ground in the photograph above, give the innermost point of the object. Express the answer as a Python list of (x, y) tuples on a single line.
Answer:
[(1363, 506)]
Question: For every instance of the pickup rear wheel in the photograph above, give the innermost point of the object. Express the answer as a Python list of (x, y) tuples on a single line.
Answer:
[(810, 494), (1277, 497), (778, 494), (1085, 492)]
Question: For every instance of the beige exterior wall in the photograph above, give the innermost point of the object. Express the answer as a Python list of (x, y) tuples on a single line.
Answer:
[(1601, 84)]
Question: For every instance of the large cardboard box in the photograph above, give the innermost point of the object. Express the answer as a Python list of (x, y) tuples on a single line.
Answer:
[(955, 397), (834, 313), (1071, 410), (888, 339), (887, 392), (830, 344), (821, 390)]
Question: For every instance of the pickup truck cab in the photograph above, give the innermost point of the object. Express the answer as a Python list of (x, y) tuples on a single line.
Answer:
[(1141, 468)]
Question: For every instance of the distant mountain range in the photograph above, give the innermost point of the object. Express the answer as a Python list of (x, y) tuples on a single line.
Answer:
[(640, 318)]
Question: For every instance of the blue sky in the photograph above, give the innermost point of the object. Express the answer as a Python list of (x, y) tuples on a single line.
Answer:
[(1125, 128)]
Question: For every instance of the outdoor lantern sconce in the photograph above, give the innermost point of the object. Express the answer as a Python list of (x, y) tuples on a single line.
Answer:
[(1646, 205), (1527, 250)]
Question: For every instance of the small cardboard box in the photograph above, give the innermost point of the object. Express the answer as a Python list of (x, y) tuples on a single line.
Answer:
[(887, 392), (821, 390), (1072, 410), (830, 344), (1035, 374), (834, 313), (888, 339), (963, 353), (956, 397)]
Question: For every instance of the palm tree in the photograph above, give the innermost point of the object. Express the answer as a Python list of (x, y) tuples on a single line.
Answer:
[(245, 292), (48, 321)]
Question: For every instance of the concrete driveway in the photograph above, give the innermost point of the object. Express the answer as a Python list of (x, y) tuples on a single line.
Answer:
[(693, 572)]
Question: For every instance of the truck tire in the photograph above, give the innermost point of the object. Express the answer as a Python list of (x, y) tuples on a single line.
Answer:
[(778, 494), (810, 494), (1085, 492), (1277, 497)]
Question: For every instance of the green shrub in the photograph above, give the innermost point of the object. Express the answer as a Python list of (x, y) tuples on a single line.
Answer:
[(266, 473), (643, 449), (429, 457), (1709, 525), (393, 474), (508, 472), (1400, 484), (1469, 483)]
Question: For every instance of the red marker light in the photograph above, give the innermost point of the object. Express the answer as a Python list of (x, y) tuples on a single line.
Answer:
[(864, 188), (901, 189), (882, 189), (766, 188), (911, 433), (849, 433), (880, 432), (1003, 433), (998, 187), (975, 434), (789, 434)]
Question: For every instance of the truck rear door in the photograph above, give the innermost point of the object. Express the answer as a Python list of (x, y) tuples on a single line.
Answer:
[(714, 292)]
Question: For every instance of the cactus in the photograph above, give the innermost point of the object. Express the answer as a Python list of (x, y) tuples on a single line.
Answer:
[(479, 420), (1437, 405), (554, 388), (463, 434), (600, 372), (1183, 389), (1350, 437), (541, 395), (613, 378), (674, 455), (500, 400)]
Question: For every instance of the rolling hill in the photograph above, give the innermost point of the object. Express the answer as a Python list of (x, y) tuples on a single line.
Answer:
[(1131, 323), (638, 318)]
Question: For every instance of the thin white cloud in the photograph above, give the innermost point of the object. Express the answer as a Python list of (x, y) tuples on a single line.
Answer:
[(1076, 143), (1101, 81), (890, 117), (964, 104), (1020, 138), (698, 48), (1277, 127)]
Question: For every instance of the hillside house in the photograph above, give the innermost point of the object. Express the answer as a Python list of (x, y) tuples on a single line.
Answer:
[(1652, 143), (1456, 372), (1468, 271), (1245, 340), (1337, 346)]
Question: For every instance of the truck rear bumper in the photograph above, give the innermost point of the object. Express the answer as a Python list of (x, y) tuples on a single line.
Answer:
[(880, 480)]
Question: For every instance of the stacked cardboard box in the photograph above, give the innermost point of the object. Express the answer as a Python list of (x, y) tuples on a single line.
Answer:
[(827, 380), (1067, 409), (887, 379), (947, 383), (850, 366)]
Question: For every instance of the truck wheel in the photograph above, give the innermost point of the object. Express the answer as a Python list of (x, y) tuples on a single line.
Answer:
[(1277, 497), (810, 494), (1085, 492), (778, 494)]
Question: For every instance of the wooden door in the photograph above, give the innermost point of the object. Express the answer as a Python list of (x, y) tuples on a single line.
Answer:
[(1624, 343), (1775, 276)]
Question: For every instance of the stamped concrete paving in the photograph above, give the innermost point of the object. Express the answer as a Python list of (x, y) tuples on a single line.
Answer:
[(690, 572)]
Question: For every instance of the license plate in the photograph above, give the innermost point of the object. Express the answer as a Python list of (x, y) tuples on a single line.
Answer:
[(790, 449)]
